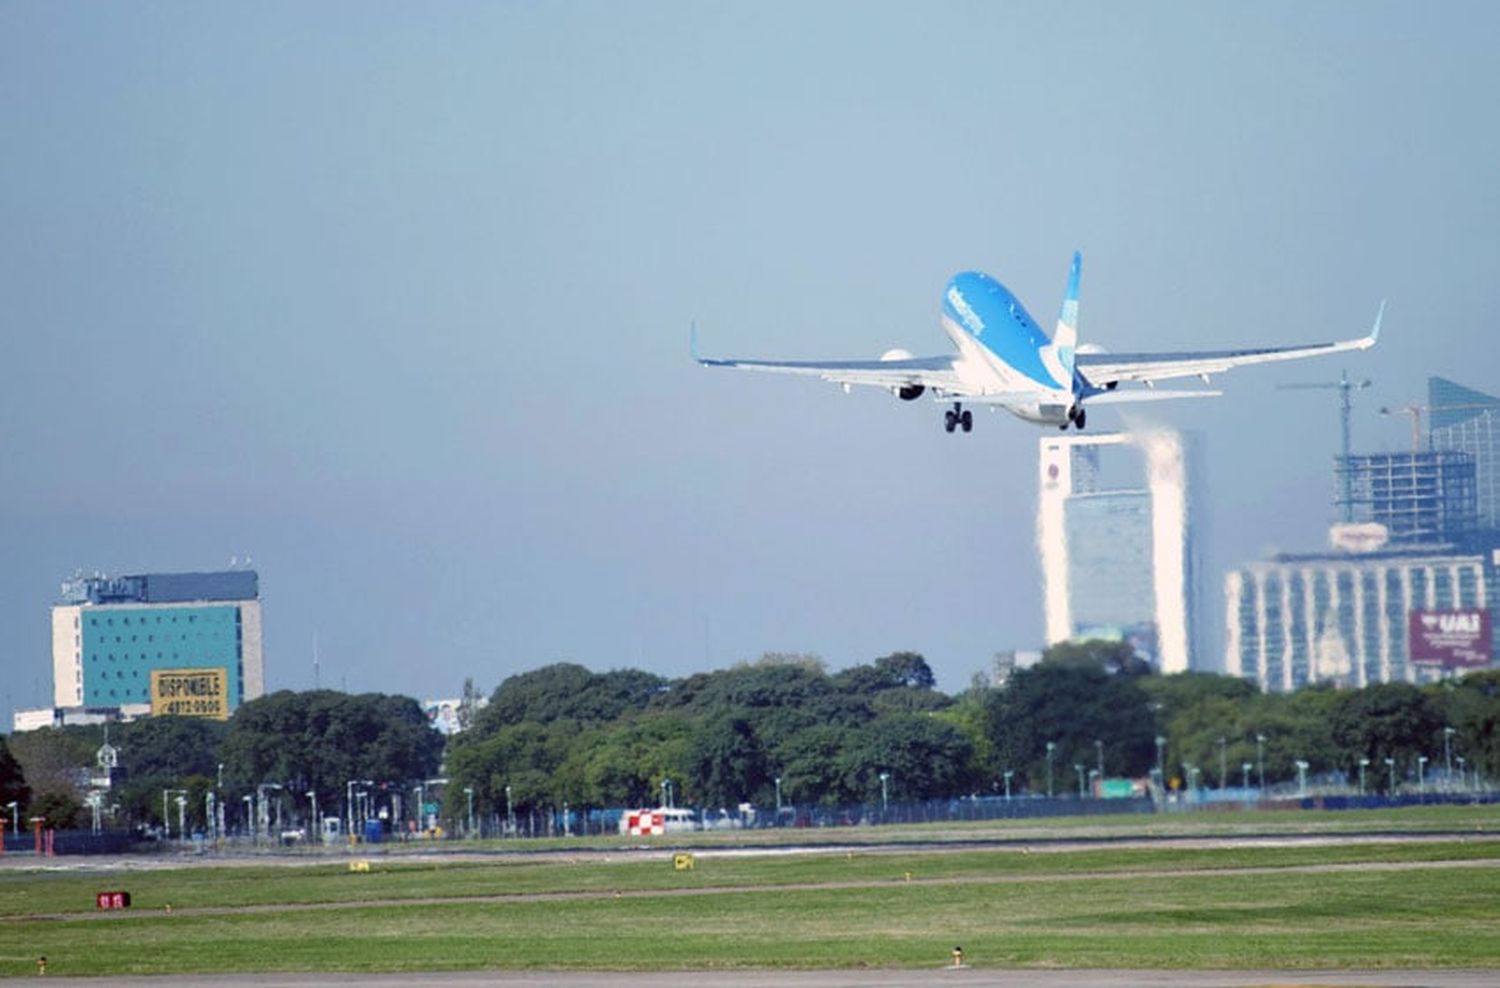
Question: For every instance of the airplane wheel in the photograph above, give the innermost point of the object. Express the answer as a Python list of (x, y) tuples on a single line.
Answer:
[(1082, 417), (950, 421), (968, 421)]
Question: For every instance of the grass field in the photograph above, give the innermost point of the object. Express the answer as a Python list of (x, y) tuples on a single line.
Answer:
[(1364, 905)]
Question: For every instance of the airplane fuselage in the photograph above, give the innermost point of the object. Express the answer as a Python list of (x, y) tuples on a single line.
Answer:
[(1003, 350)]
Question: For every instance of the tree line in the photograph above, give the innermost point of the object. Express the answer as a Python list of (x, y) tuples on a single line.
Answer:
[(780, 730)]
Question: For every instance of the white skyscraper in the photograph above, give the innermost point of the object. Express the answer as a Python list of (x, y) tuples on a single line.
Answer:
[(1116, 544)]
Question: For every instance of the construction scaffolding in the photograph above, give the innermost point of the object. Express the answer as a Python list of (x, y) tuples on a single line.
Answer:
[(1422, 498)]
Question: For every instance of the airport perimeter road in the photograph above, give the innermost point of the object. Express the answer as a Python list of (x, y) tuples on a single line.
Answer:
[(965, 978)]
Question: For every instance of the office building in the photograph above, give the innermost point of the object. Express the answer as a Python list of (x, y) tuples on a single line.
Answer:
[(1114, 528), (178, 643), (1468, 421), (1353, 620)]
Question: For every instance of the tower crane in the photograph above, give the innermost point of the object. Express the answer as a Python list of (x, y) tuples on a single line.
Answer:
[(1415, 411), (1346, 389)]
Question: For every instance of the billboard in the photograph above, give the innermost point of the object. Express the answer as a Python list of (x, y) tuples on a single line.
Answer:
[(190, 693), (1457, 639)]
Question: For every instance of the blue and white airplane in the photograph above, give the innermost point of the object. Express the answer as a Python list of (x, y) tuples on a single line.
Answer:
[(1006, 359)]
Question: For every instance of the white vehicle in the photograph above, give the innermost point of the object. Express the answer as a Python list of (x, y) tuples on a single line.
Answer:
[(662, 820)]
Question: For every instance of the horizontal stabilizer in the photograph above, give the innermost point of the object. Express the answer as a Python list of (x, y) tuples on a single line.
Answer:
[(1006, 398), (1127, 397)]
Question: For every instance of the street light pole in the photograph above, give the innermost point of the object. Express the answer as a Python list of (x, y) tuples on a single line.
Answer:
[(1078, 767), (778, 796), (1007, 773), (1244, 775), (885, 800), (15, 817), (1260, 761), (469, 792), (1161, 765), (1301, 777), (1223, 764), (1421, 782), (1051, 747), (315, 832), (1099, 757), (1364, 763), (510, 813), (1390, 763), (1448, 754)]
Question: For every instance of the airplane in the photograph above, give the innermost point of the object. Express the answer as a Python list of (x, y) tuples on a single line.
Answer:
[(1006, 360)]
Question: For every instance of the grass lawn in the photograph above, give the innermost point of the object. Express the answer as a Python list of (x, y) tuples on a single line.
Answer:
[(1420, 905)]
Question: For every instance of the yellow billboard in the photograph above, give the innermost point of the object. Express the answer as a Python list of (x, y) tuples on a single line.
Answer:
[(190, 693)]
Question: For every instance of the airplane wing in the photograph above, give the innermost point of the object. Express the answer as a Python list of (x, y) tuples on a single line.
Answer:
[(898, 372), (1103, 368)]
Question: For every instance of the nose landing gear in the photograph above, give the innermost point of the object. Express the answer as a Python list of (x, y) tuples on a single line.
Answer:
[(1077, 416)]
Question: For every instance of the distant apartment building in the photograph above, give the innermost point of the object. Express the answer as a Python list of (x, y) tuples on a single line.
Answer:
[(1114, 529), (168, 643), (1357, 619)]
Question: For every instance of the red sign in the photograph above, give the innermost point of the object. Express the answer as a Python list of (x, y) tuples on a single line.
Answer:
[(112, 900), (1451, 639)]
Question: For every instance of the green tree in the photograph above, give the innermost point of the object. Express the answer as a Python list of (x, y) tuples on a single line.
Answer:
[(728, 762), (1388, 720), (810, 763), (13, 786), (55, 762), (924, 757), (322, 739), (1070, 700), (170, 748)]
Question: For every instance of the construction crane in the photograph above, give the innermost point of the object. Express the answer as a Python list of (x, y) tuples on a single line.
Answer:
[(1346, 389), (1415, 411)]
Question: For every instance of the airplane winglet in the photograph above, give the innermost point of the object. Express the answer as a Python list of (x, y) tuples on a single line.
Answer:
[(1375, 330)]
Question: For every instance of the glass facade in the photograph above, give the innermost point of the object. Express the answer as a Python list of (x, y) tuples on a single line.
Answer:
[(1109, 538), (1468, 421)]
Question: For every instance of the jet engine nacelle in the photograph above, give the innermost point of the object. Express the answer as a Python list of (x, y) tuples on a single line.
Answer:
[(907, 392)]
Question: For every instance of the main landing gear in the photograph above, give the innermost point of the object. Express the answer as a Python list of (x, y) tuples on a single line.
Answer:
[(1077, 416), (958, 417)]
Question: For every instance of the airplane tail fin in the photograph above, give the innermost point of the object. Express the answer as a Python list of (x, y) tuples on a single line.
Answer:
[(1065, 337)]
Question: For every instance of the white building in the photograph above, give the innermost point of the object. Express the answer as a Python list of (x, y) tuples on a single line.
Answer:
[(1348, 619), (112, 637), (1116, 544)]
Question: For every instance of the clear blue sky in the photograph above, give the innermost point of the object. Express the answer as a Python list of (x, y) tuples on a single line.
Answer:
[(394, 299)]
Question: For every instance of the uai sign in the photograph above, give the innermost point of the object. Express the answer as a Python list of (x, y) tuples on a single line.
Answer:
[(1451, 639)]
